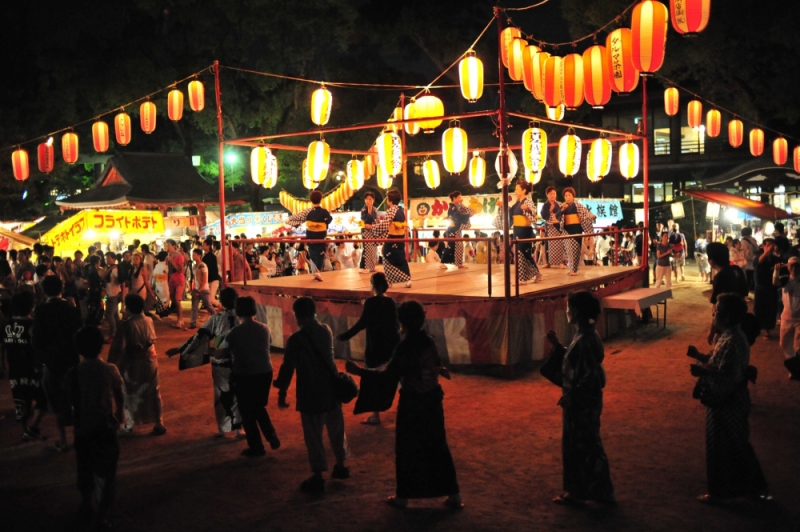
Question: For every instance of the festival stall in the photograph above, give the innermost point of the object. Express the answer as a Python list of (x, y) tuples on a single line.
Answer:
[(113, 228)]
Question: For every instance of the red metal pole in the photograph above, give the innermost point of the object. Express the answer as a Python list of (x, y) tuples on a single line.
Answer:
[(405, 172), (645, 179), (503, 132), (489, 263), (221, 137)]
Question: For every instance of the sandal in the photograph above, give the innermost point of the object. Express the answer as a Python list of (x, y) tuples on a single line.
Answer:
[(159, 431), (566, 499)]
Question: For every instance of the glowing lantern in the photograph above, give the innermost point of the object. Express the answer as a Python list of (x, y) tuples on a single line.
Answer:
[(538, 68), (197, 96), (796, 159), (555, 113), (713, 123), (370, 162), (690, 16), (307, 181), (321, 101), (430, 109), (553, 81), (735, 132), (397, 114), (572, 84), (100, 136), (147, 117), (430, 170), (175, 105), (477, 170), (355, 174), (454, 148), (596, 84), (756, 142), (384, 180), (672, 100), (598, 163), (780, 151), (319, 157), (122, 128), (507, 37), (258, 164), (623, 75), (46, 156), (412, 128), (532, 177), (649, 32), (21, 164), (470, 73), (569, 154), (629, 160), (511, 164), (694, 113), (390, 153), (527, 66), (69, 147), (516, 59), (534, 148), (271, 172)]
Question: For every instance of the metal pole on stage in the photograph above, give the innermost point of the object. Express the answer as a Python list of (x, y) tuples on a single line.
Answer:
[(645, 179), (221, 138), (405, 169), (503, 132)]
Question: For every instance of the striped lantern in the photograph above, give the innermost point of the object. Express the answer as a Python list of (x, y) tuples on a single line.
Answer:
[(756, 142), (100, 136), (258, 164), (470, 74), (596, 84), (197, 96), (796, 159), (430, 109), (713, 123), (397, 115), (430, 170), (412, 128), (122, 128), (371, 162), (46, 156), (555, 113), (623, 75), (69, 147), (735, 132), (572, 86), (569, 154), (672, 99), (307, 181), (629, 160), (689, 17), (454, 148), (534, 148), (321, 102), (390, 153), (539, 62), (780, 151), (694, 113), (147, 117), (271, 172), (319, 158), (477, 170), (384, 180), (355, 174), (532, 177), (649, 32), (507, 37), (553, 81), (20, 164), (598, 163), (516, 59), (175, 105), (527, 66)]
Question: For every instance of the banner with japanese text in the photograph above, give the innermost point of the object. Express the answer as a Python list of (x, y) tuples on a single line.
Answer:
[(250, 223), (433, 211), (76, 231)]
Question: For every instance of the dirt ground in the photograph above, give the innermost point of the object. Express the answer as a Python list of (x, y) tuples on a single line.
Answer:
[(504, 435)]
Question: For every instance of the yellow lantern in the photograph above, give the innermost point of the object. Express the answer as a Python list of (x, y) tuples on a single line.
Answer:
[(694, 113), (20, 164), (122, 128), (507, 37), (319, 158), (477, 170), (384, 180), (390, 153), (409, 113), (780, 151), (271, 171), (454, 148), (555, 113), (516, 59), (756, 142), (572, 81), (598, 163), (538, 68), (147, 117), (735, 132), (470, 73), (321, 101), (397, 114), (258, 164), (569, 154), (175, 105), (671, 101), (713, 123), (100, 136), (307, 181), (527, 66), (629, 160), (534, 148), (197, 96), (532, 177), (69, 147), (430, 170), (430, 109), (355, 174)]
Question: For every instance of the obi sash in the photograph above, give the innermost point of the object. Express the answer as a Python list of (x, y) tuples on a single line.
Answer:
[(572, 219), (316, 227), (397, 229), (521, 221)]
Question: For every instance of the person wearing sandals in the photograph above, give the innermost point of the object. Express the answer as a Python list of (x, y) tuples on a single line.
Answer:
[(379, 318), (522, 217), (134, 353), (423, 463), (586, 470)]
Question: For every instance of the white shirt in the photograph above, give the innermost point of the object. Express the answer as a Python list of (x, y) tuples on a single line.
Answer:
[(200, 268), (602, 247), (112, 285)]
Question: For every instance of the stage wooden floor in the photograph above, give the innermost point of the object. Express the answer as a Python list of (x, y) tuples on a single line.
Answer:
[(430, 280)]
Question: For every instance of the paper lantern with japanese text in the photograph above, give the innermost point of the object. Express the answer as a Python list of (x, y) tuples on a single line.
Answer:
[(147, 116), (572, 85), (69, 147), (516, 59), (355, 174), (197, 96), (649, 33), (538, 68), (507, 37), (596, 81), (477, 170), (390, 153), (534, 148), (694, 113), (122, 128), (409, 113), (175, 105), (629, 160), (619, 49), (319, 158), (780, 151), (20, 164), (756, 142), (470, 73), (100, 136), (397, 115), (321, 101), (713, 123), (672, 99), (735, 132), (454, 148), (46, 156), (430, 110), (527, 66), (430, 170), (258, 164), (690, 17), (271, 173), (555, 113), (553, 81), (598, 162), (796, 159), (569, 154)]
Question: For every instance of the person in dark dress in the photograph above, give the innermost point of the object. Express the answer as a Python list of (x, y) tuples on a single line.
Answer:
[(424, 465), (458, 216), (369, 215), (317, 221), (392, 226), (765, 305), (522, 217), (379, 318), (727, 279)]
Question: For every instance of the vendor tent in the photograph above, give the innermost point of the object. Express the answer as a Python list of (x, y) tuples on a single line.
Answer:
[(756, 209)]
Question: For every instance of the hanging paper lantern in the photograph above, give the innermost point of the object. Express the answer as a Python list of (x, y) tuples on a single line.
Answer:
[(430, 170), (197, 96), (713, 123), (46, 156), (319, 158), (735, 132), (598, 163), (384, 180), (796, 159), (671, 101), (147, 117), (756, 142), (454, 148), (629, 160), (69, 147), (534, 148), (20, 164), (412, 128), (538, 68), (649, 32), (569, 154), (572, 85), (258, 164), (507, 37), (694, 113), (553, 81), (512, 165), (175, 105), (122, 128), (516, 59), (555, 113), (321, 101), (689, 17), (355, 174), (596, 84), (780, 151), (390, 153), (470, 74), (623, 75), (307, 181), (477, 170), (430, 109), (397, 115), (271, 171), (532, 177), (591, 172), (371, 162), (527, 66), (100, 136)]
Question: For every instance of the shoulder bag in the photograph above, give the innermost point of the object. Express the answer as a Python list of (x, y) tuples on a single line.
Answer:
[(345, 388)]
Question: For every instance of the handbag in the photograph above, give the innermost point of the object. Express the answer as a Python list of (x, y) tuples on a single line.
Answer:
[(345, 388), (552, 367)]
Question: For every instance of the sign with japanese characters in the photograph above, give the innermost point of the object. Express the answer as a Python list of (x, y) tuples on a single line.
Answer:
[(434, 210), (608, 211), (92, 224), (250, 223)]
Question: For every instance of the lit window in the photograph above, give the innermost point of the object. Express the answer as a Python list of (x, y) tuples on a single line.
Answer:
[(661, 146), (693, 139)]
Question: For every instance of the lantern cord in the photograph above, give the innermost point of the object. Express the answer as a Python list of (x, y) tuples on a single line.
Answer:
[(526, 7), (719, 107)]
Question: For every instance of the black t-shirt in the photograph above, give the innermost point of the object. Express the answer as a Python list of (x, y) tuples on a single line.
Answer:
[(729, 279), (210, 260), (124, 269), (55, 323), (18, 347), (638, 242)]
